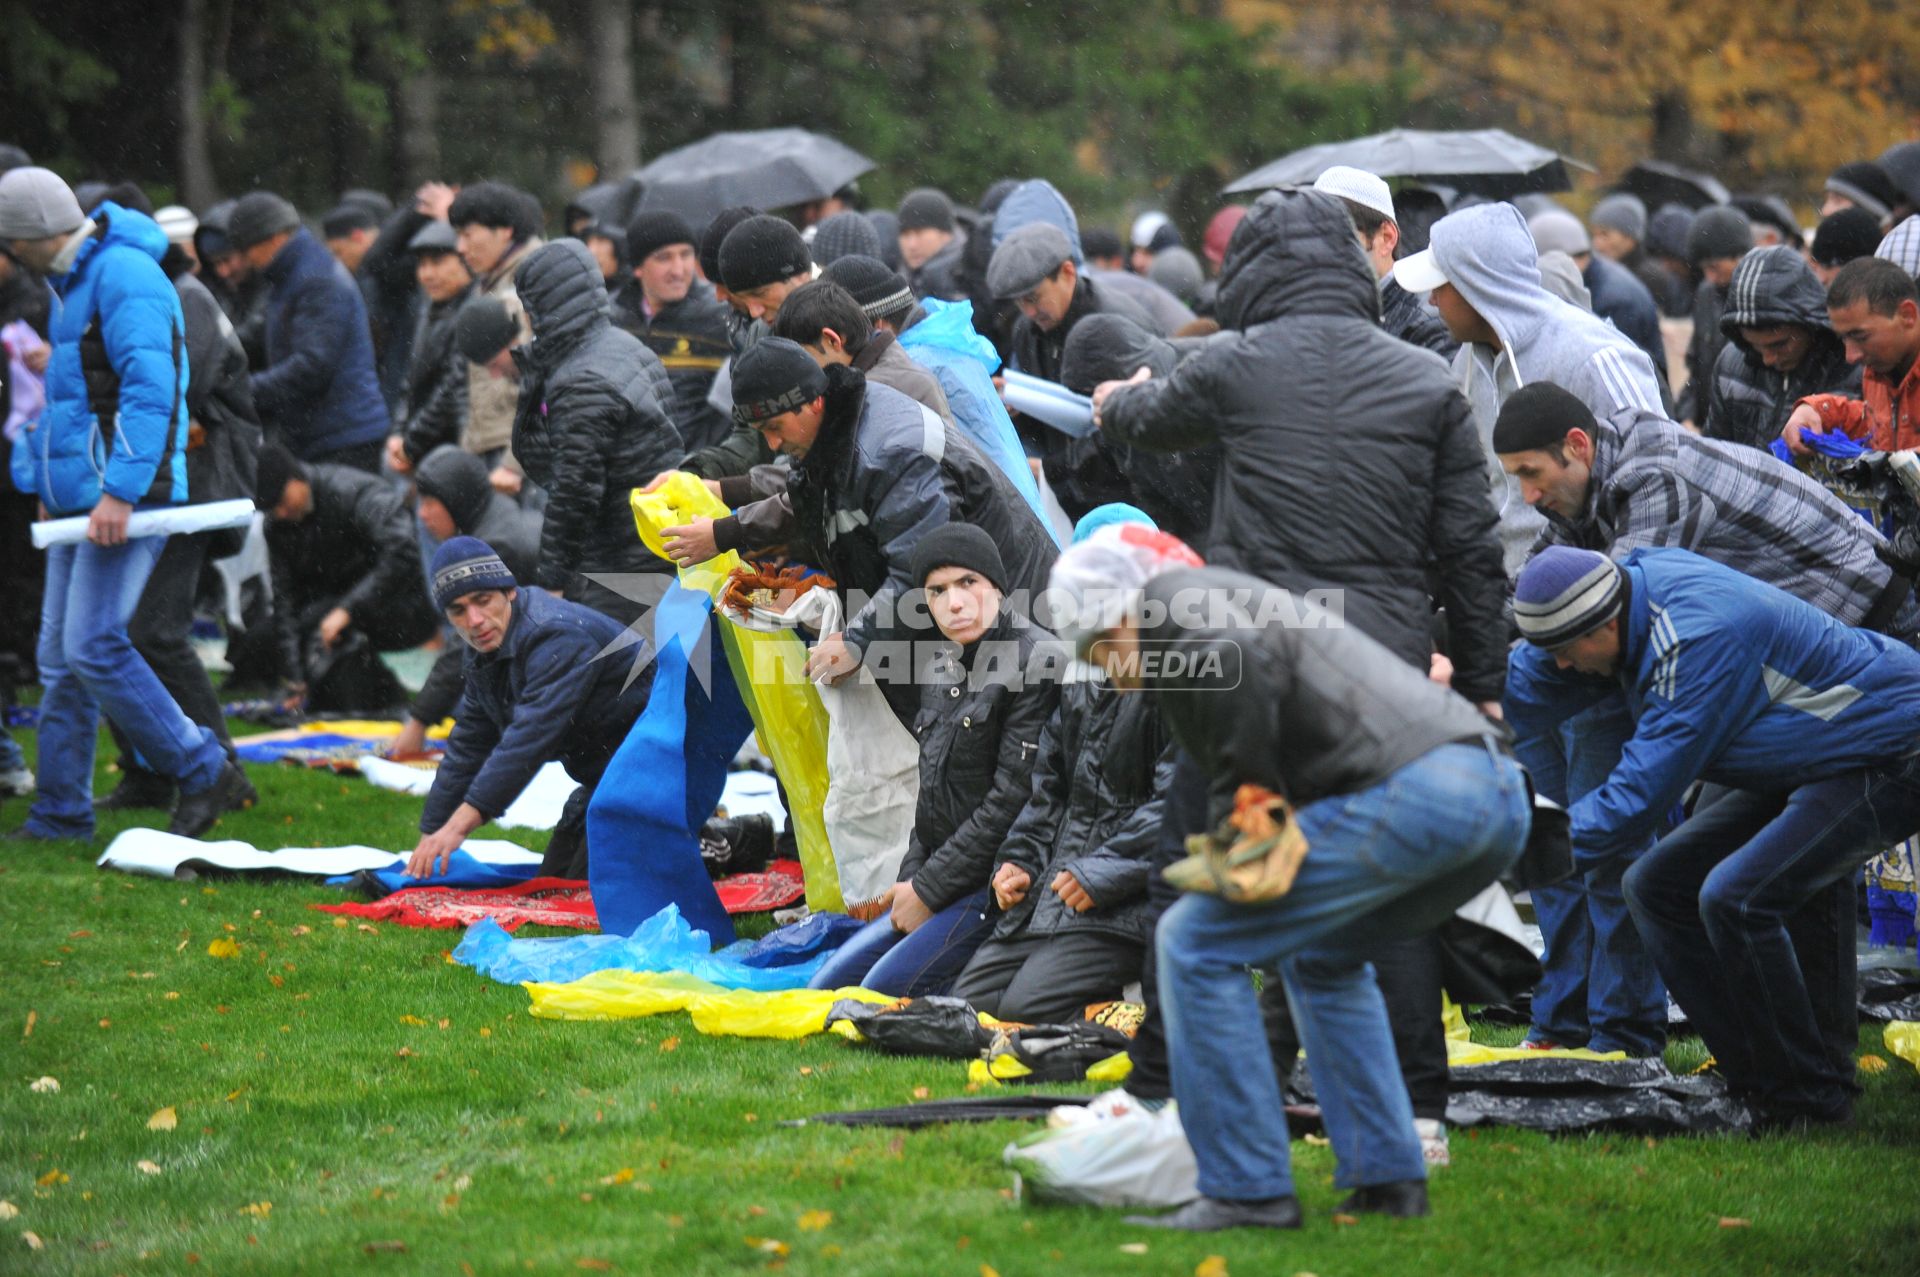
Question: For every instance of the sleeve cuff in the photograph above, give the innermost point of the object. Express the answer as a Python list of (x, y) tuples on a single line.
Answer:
[(736, 490), (726, 534)]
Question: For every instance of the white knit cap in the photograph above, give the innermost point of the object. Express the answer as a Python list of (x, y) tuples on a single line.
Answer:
[(1360, 186), (177, 223), (1097, 582)]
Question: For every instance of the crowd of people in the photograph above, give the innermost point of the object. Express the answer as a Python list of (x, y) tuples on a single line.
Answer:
[(1394, 522)]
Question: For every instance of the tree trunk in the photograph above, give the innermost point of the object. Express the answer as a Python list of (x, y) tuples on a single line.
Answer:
[(617, 147), (417, 137), (198, 187)]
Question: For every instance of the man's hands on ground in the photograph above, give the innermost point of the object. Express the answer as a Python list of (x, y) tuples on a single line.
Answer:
[(909, 914), (431, 854), (108, 523)]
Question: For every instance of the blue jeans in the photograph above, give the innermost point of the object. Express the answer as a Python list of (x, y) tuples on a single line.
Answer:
[(1387, 862), (910, 966), (1713, 898), (88, 666), (1598, 986)]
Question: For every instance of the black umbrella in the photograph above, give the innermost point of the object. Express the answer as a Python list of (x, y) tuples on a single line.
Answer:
[(1657, 182), (1489, 162), (768, 168)]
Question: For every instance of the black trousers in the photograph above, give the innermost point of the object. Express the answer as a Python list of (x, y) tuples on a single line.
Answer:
[(1048, 979), (161, 631), (1184, 812)]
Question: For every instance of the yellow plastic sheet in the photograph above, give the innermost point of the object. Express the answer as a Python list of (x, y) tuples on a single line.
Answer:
[(791, 1013), (770, 671), (1903, 1039), (1462, 1049), (618, 995)]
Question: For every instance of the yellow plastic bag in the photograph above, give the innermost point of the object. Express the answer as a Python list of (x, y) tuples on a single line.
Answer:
[(1903, 1039), (618, 995), (1463, 1050), (790, 1013), (770, 671)]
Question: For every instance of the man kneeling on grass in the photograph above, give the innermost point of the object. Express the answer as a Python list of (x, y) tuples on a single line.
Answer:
[(534, 692), (1409, 803)]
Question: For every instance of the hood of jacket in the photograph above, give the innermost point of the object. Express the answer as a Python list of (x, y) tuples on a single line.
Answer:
[(128, 228), (1037, 201), (1772, 286), (458, 480), (1112, 348), (565, 297), (1295, 254)]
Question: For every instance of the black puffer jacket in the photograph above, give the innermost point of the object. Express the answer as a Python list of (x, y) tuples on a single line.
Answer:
[(436, 405), (1081, 472), (979, 730), (356, 549), (1094, 812), (1350, 460), (592, 423), (1703, 356), (693, 341), (1751, 402), (1307, 711)]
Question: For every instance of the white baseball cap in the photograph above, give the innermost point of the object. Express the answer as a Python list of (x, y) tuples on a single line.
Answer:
[(1360, 186), (1419, 272)]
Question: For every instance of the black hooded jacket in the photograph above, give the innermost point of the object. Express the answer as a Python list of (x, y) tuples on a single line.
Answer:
[(1751, 402), (436, 403), (1350, 461), (592, 421)]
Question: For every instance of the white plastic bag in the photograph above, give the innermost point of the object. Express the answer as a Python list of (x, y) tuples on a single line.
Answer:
[(873, 770), (1139, 1160)]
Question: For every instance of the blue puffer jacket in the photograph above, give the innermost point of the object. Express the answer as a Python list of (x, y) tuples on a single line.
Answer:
[(116, 415), (1728, 680), (319, 390)]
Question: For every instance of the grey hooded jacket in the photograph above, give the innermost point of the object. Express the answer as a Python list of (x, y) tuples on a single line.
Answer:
[(1488, 255), (1751, 402)]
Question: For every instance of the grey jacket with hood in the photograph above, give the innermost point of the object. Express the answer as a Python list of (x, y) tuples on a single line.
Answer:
[(1487, 254), (1348, 458), (1751, 402)]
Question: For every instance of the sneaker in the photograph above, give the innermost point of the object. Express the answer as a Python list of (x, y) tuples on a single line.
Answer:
[(1532, 1043), (16, 783), (1433, 1141)]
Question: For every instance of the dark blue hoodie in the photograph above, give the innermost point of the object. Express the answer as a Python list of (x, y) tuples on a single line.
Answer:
[(319, 389)]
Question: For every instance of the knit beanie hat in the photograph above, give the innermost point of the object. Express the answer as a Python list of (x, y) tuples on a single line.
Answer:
[(1220, 229), (1667, 230), (716, 234), (1538, 416), (1563, 593), (483, 328), (276, 466), (760, 251), (774, 376), (36, 203), (926, 209), (1867, 185), (648, 233), (1557, 230), (1843, 236), (434, 237), (465, 565), (1770, 210), (887, 227), (1720, 231), (958, 545), (1177, 271), (1097, 582), (177, 223), (1621, 211), (1024, 258), (844, 235), (257, 217), (1108, 515), (880, 290), (1901, 163)]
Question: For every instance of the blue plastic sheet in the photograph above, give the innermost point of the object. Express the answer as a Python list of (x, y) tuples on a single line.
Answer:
[(662, 784), (663, 943), (1049, 403), (818, 934), (463, 872), (1828, 443)]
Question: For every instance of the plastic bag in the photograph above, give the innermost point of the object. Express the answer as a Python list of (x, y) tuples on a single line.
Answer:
[(817, 934), (796, 1013), (1584, 1094), (618, 995), (769, 675), (873, 772), (663, 942), (1903, 1039), (1139, 1160), (936, 1026)]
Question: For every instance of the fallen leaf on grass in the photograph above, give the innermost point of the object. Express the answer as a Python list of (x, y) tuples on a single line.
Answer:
[(8, 1210), (622, 1176), (1872, 1064), (988, 1270), (163, 1120), (671, 1044), (414, 1020), (405, 1052), (594, 1265), (32, 1240), (1346, 1219), (259, 1210), (1316, 1141), (814, 1220), (234, 1094), (921, 1092), (54, 1176), (224, 947), (147, 1168), (33, 1018), (1214, 1265), (302, 930), (1133, 1248), (1734, 1221), (768, 1245), (44, 1085), (391, 1247), (369, 928)]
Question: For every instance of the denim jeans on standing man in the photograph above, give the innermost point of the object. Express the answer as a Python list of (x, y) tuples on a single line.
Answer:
[(88, 666), (1391, 860)]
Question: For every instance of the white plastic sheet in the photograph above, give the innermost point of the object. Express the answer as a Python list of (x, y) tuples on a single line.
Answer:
[(162, 855), (210, 517), (1048, 402), (540, 804)]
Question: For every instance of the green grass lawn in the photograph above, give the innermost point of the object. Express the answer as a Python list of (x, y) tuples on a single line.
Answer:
[(348, 1101)]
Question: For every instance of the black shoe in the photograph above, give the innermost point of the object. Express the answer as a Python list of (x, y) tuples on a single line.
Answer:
[(196, 813), (1211, 1214), (1404, 1199), (1782, 1121), (138, 790)]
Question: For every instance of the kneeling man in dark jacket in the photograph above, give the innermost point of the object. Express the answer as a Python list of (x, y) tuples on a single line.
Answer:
[(1409, 805), (535, 692)]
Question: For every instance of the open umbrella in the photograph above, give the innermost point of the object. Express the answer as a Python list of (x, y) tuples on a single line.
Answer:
[(1656, 183), (768, 168), (1490, 162)]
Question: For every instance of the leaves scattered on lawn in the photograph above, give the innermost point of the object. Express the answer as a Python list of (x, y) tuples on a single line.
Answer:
[(146, 1167), (395, 1247), (1133, 1248), (32, 1240), (671, 1044), (1214, 1265), (814, 1220), (44, 1085), (768, 1245), (8, 1210), (1872, 1064), (622, 1176), (1734, 1221), (163, 1120), (259, 1210), (54, 1176), (224, 947), (33, 1018)]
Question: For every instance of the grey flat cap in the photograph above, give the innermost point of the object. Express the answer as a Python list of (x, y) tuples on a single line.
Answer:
[(1025, 258)]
